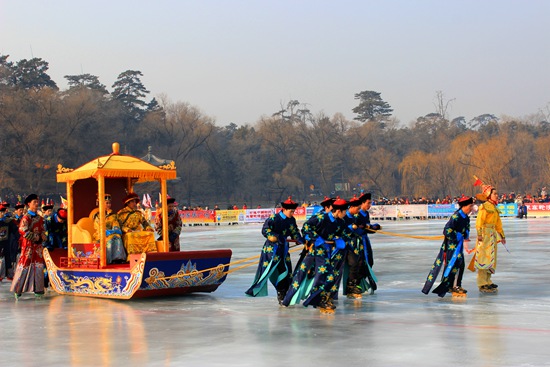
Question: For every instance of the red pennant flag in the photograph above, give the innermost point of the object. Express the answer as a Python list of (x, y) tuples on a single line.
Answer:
[(478, 181)]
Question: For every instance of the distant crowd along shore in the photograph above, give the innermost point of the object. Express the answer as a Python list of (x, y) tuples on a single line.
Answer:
[(511, 197), (511, 204), (386, 211)]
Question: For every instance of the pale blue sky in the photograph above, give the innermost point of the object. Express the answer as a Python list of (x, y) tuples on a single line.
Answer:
[(237, 60)]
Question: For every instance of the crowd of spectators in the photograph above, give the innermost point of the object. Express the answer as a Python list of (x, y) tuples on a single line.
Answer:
[(512, 197), (504, 198)]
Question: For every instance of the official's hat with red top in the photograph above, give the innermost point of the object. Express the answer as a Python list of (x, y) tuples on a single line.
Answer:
[(19, 205), (485, 190), (171, 201), (327, 201), (132, 196), (465, 200), (62, 213), (340, 204), (5, 204), (3, 208), (354, 201), (289, 203)]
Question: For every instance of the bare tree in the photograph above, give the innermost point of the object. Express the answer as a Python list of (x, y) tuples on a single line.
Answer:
[(377, 168), (442, 106)]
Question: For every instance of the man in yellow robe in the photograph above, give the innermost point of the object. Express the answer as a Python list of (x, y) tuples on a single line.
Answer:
[(138, 235), (489, 234)]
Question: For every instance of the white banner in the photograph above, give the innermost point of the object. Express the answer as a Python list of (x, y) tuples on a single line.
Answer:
[(383, 211), (257, 215), (412, 211)]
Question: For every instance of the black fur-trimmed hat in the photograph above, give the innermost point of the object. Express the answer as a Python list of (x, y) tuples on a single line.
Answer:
[(131, 197), (289, 203), (366, 196), (354, 201), (465, 200), (47, 206), (327, 201), (340, 204), (30, 198)]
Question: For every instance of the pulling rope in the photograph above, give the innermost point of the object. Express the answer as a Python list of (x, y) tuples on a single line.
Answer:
[(257, 257), (251, 258), (429, 238), (291, 250)]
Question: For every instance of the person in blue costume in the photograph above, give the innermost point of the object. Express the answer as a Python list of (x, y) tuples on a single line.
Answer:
[(327, 207), (18, 212), (342, 268), (327, 204), (315, 280), (275, 264), (9, 236), (359, 276), (56, 230), (451, 253)]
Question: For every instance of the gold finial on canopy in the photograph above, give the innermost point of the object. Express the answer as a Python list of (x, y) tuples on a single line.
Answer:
[(116, 148)]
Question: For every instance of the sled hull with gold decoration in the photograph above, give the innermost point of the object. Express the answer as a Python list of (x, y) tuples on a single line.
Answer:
[(84, 269), (147, 275)]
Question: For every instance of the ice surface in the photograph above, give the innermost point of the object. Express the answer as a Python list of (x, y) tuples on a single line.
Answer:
[(397, 326)]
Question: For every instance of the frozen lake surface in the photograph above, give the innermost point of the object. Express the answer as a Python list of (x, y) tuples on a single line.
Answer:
[(397, 326)]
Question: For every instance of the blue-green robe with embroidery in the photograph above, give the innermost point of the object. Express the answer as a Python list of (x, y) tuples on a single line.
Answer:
[(359, 259), (451, 254), (275, 264), (319, 270)]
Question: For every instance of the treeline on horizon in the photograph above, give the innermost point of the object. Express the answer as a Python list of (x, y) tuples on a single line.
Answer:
[(290, 152)]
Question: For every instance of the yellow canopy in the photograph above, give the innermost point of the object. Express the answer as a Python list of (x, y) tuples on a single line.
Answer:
[(117, 165), (118, 173)]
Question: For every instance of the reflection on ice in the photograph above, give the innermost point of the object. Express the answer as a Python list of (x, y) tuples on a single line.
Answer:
[(397, 326)]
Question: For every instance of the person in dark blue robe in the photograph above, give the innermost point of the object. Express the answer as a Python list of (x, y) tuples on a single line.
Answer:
[(326, 207), (359, 276), (56, 230), (451, 253), (275, 264), (9, 237), (315, 279)]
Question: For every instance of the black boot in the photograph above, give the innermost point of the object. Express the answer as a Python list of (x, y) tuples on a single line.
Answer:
[(326, 304), (281, 296), (353, 290), (330, 303)]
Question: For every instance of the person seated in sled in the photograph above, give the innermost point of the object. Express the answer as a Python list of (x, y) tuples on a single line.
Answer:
[(174, 224), (138, 235), (116, 253)]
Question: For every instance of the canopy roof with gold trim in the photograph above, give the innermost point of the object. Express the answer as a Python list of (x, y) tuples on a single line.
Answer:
[(117, 165)]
